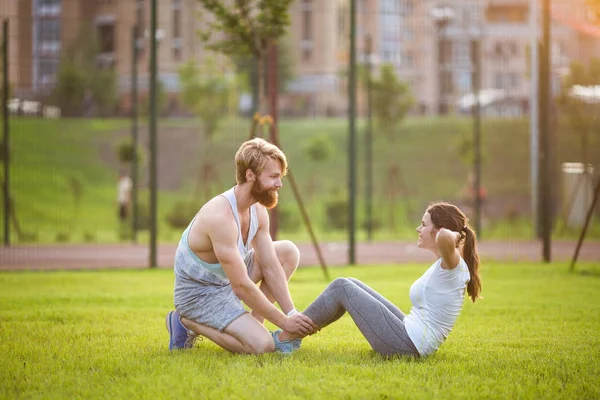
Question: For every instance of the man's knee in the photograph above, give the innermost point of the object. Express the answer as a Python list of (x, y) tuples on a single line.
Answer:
[(288, 253)]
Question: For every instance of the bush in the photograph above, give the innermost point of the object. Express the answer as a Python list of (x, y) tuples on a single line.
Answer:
[(89, 237), (289, 220), (336, 212), (143, 217), (319, 148), (28, 237), (125, 151), (181, 215), (62, 237), (375, 224)]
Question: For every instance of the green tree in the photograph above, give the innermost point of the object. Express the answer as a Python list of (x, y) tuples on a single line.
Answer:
[(319, 150), (246, 28), (582, 113), (81, 82), (392, 100), (285, 66), (205, 91)]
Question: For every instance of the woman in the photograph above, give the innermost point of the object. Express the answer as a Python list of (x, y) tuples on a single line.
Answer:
[(437, 296)]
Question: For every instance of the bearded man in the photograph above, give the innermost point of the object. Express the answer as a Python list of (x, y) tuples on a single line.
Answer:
[(225, 252)]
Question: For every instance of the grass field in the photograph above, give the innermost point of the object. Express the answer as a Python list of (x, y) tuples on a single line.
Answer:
[(63, 174), (536, 334)]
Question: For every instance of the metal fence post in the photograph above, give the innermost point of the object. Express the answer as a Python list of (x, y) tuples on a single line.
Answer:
[(6, 141), (153, 185), (476, 63), (134, 134), (352, 137)]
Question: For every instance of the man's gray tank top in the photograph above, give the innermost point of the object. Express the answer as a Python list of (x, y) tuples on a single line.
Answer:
[(189, 265)]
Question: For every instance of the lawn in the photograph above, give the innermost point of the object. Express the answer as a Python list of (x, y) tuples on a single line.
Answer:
[(101, 334), (63, 175)]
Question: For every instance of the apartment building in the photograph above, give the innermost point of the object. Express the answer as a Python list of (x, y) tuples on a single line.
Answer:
[(434, 56), (42, 31)]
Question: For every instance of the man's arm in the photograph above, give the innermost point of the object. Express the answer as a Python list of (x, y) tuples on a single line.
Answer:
[(224, 240), (273, 273)]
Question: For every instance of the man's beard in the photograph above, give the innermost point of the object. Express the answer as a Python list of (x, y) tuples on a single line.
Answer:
[(267, 198)]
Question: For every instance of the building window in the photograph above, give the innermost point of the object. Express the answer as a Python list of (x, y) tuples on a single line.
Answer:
[(106, 38), (177, 42), (447, 83), (306, 20), (407, 7), (48, 8), (307, 15), (506, 80), (463, 81), (514, 80), (445, 51), (461, 53), (47, 69), (48, 36)]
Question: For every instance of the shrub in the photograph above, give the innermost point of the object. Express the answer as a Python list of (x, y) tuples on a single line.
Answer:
[(63, 237), (181, 214), (89, 237), (336, 212), (289, 219)]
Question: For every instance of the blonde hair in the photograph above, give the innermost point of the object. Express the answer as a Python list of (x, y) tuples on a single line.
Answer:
[(446, 215), (254, 154)]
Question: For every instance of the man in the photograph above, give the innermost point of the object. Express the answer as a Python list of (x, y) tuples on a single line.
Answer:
[(216, 269), (124, 187)]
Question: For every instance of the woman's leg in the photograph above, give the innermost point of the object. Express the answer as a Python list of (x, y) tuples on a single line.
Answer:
[(384, 331), (388, 304)]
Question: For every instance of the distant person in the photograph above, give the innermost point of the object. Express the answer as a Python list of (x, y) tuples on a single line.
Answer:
[(222, 255), (468, 192), (437, 296), (88, 103), (124, 187)]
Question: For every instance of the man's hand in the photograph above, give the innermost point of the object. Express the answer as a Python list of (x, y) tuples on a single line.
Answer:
[(299, 324)]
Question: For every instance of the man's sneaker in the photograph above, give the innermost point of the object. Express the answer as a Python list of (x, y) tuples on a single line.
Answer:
[(285, 346), (179, 336)]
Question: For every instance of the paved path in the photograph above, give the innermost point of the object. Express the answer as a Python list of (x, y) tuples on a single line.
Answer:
[(58, 257)]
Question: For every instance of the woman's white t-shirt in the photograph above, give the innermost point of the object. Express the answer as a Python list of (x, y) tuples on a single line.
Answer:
[(437, 298)]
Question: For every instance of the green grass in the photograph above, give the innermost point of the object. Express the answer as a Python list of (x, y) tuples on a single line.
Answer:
[(47, 156), (536, 334)]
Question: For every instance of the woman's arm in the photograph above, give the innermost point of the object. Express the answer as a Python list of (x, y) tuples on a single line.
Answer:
[(447, 244)]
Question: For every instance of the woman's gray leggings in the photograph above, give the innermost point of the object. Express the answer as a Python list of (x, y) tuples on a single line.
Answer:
[(380, 322)]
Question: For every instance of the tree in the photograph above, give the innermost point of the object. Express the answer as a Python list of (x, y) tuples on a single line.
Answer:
[(319, 150), (581, 112), (81, 82), (205, 91), (392, 100), (246, 28), (285, 66)]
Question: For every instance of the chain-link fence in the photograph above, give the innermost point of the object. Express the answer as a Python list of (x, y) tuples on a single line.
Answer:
[(71, 64)]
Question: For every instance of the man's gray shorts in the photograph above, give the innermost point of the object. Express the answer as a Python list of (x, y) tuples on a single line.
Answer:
[(203, 296)]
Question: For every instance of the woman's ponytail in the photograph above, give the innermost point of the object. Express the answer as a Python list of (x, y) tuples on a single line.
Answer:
[(471, 257)]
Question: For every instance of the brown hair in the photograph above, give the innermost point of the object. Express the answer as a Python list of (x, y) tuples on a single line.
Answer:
[(254, 154), (445, 215)]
